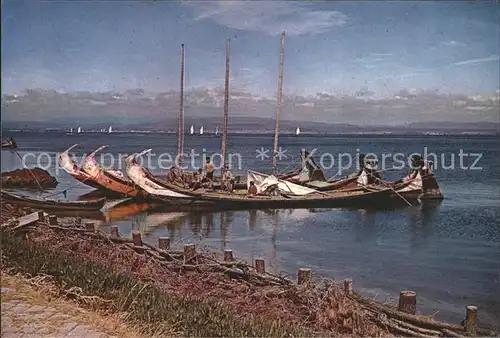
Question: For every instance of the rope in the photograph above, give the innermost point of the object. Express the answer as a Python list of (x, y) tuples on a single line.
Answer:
[(393, 190), (66, 190)]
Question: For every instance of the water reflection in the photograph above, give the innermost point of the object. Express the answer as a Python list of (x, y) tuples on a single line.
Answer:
[(209, 222), (421, 223), (252, 219)]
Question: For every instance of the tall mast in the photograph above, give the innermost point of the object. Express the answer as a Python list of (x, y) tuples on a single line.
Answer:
[(180, 128), (278, 102), (226, 107)]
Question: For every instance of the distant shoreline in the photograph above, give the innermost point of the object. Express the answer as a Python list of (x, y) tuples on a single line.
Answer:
[(265, 133)]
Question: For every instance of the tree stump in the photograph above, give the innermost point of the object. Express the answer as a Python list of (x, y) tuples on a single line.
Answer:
[(114, 231), (471, 319), (53, 220), (90, 226), (348, 286), (228, 255), (164, 243), (408, 302), (189, 253), (260, 265), (303, 276), (136, 238)]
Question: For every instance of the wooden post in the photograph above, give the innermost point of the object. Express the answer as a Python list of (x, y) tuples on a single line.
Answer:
[(228, 255), (114, 231), (278, 102), (303, 276), (471, 319), (90, 226), (53, 220), (189, 252), (408, 302), (260, 265), (164, 243), (136, 238), (348, 286), (226, 108)]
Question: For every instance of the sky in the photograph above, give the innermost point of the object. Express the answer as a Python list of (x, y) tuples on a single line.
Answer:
[(360, 49)]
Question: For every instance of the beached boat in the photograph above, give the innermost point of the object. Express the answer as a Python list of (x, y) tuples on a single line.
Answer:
[(110, 179), (42, 203), (69, 165), (9, 143)]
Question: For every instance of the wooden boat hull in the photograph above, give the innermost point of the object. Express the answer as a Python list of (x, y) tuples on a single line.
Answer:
[(240, 201), (69, 165), (346, 199), (112, 180), (48, 204), (8, 145)]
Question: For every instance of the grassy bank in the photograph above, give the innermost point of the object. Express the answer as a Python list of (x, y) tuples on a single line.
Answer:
[(145, 304)]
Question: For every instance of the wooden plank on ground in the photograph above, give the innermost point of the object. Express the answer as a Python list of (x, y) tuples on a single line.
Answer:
[(29, 219)]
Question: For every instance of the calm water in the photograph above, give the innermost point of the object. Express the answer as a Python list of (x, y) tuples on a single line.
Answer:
[(449, 253)]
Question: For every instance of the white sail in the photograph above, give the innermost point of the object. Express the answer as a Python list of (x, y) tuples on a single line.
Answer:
[(201, 130), (297, 132), (191, 130), (71, 130), (110, 130), (79, 130), (217, 131), (263, 181)]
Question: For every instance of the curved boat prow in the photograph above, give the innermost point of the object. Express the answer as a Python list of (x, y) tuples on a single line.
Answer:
[(133, 158), (92, 154), (110, 179), (68, 164), (70, 148), (141, 177)]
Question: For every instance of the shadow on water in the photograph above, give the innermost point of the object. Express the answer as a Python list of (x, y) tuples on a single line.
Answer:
[(421, 222)]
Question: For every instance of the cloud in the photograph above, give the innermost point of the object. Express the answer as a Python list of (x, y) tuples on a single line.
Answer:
[(492, 58), (270, 18), (138, 106), (452, 43), (401, 76)]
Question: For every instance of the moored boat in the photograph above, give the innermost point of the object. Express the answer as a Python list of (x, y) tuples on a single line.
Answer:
[(69, 165), (51, 204), (110, 179), (152, 185), (9, 143), (420, 183), (288, 195)]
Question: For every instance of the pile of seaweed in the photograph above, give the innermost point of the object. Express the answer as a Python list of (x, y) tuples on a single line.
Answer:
[(199, 296), (32, 178)]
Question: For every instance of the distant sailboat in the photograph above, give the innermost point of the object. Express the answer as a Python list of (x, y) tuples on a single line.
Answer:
[(201, 130), (79, 130), (217, 131), (70, 132), (191, 130), (297, 131), (110, 130)]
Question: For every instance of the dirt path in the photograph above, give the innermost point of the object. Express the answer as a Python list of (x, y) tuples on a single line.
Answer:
[(28, 312)]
